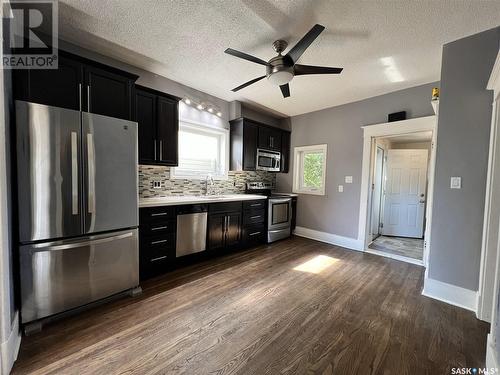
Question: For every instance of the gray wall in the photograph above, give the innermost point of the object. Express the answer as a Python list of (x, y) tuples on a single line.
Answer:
[(340, 128), (462, 150)]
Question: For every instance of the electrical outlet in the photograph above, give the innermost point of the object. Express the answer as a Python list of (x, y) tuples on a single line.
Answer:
[(156, 184), (456, 183)]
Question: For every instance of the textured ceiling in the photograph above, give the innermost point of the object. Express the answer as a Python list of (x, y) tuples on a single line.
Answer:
[(383, 46)]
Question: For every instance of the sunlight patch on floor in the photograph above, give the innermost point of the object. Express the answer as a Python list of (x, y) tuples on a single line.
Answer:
[(317, 264)]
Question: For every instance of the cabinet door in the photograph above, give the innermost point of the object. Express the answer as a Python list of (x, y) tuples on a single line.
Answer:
[(216, 231), (250, 134), (168, 131), (107, 93), (55, 87), (233, 228), (264, 137), (269, 138), (285, 151), (145, 115)]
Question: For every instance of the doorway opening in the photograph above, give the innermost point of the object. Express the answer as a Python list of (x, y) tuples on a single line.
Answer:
[(400, 176), (397, 185)]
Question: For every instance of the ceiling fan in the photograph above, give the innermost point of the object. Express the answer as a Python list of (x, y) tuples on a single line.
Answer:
[(281, 69)]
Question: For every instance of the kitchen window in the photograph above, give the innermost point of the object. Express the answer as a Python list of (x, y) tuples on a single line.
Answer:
[(309, 171), (203, 151)]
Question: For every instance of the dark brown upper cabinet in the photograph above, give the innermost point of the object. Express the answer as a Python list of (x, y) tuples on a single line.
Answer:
[(157, 114), (79, 84), (270, 138), (285, 151), (248, 135), (243, 142)]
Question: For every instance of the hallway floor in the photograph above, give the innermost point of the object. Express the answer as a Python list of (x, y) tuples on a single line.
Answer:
[(406, 247)]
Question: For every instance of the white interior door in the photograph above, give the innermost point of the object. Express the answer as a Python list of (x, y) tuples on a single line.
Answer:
[(405, 193)]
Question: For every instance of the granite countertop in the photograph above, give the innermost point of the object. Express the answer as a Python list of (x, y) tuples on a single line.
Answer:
[(196, 199)]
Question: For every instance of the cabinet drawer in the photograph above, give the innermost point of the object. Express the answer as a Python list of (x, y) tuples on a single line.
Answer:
[(157, 244), (254, 234), (152, 214), (255, 205), (224, 207), (157, 228), (254, 217)]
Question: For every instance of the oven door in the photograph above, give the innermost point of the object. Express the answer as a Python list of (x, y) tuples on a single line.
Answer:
[(280, 213)]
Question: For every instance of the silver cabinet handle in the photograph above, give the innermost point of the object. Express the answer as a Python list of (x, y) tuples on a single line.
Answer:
[(88, 98), (255, 217), (49, 247), (254, 233), (90, 174), (80, 96), (160, 214), (74, 173), (226, 223), (255, 205), (159, 258), (161, 150), (158, 242), (155, 148), (159, 228)]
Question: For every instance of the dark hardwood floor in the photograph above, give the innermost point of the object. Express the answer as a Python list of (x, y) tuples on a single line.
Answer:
[(269, 310)]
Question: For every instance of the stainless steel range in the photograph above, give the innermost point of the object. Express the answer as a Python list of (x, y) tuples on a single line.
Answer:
[(279, 214)]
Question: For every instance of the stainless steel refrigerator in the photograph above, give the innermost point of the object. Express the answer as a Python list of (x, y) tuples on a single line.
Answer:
[(78, 208)]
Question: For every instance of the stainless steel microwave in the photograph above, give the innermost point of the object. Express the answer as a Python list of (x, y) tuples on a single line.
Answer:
[(268, 160)]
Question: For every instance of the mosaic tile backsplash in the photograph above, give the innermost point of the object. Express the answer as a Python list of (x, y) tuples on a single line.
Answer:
[(233, 185)]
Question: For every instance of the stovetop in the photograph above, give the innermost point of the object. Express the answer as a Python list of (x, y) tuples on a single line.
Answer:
[(265, 188)]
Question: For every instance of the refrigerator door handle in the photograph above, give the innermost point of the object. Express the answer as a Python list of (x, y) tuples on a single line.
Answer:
[(91, 173), (73, 245), (74, 173)]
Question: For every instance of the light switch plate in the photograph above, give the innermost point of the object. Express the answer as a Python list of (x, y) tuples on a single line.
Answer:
[(348, 179), (456, 183), (341, 188)]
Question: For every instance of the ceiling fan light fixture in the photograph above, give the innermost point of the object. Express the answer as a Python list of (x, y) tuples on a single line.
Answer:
[(280, 78)]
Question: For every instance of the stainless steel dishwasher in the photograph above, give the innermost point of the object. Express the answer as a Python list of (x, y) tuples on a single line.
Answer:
[(191, 229)]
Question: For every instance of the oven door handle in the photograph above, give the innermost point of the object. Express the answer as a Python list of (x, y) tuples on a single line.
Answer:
[(282, 200)]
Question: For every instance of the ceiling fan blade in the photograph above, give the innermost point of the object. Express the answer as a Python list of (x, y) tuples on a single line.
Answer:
[(245, 56), (285, 90), (305, 42), (247, 84), (310, 69)]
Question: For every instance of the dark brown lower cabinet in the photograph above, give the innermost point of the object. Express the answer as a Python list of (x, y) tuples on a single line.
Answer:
[(224, 227)]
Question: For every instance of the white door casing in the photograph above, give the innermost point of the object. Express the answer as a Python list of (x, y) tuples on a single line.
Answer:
[(377, 192), (405, 193)]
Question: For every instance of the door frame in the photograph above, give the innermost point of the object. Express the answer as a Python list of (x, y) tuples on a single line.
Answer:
[(381, 197), (389, 129), (488, 281)]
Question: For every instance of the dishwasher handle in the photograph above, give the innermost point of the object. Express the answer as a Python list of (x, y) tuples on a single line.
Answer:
[(191, 209)]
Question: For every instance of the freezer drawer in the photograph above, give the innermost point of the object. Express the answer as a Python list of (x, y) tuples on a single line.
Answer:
[(62, 275)]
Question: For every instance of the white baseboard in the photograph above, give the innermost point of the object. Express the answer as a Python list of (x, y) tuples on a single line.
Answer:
[(454, 295), (334, 239), (491, 358), (10, 347)]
